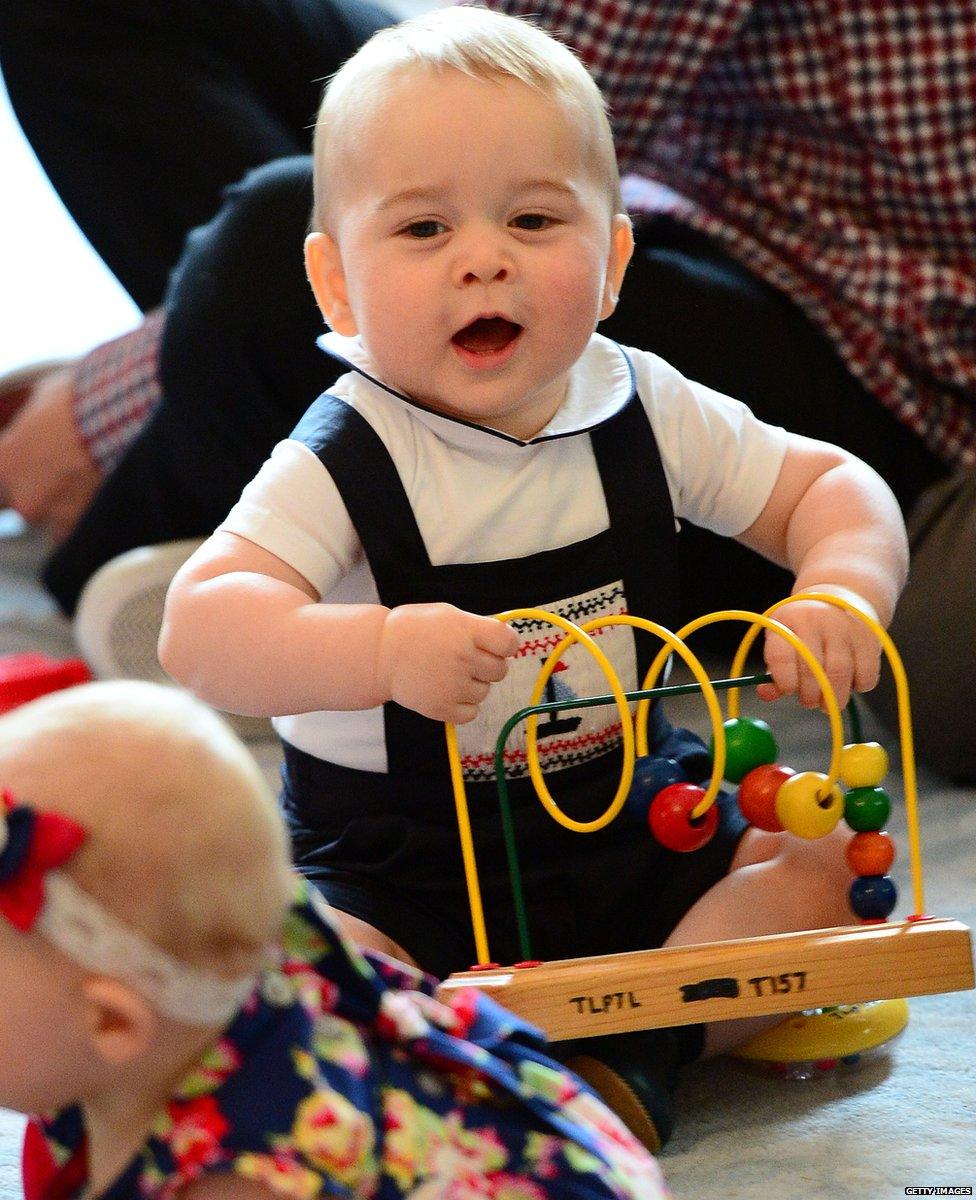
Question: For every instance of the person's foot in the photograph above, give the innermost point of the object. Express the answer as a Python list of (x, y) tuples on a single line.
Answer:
[(119, 615), (46, 473)]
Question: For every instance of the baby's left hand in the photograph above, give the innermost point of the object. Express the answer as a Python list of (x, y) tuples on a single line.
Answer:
[(845, 647)]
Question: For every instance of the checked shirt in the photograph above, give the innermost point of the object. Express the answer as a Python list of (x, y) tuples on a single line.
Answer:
[(830, 147)]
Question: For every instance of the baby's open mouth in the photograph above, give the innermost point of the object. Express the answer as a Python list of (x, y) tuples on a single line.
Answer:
[(487, 335)]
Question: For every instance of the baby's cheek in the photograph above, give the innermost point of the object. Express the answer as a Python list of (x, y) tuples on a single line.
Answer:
[(570, 307), (573, 281)]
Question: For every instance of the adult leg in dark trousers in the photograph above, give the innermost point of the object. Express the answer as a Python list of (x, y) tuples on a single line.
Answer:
[(146, 115), (239, 366), (143, 111)]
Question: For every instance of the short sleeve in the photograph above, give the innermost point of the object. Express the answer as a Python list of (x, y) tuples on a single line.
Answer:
[(720, 460), (293, 509)]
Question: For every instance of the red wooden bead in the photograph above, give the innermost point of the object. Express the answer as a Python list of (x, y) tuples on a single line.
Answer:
[(670, 818), (757, 795), (870, 853)]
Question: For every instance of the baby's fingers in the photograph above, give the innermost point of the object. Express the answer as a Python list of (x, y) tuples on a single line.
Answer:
[(782, 664), (851, 659), (838, 665), (768, 692), (793, 674), (495, 637), (848, 653), (459, 714), (488, 668), (460, 705), (867, 663)]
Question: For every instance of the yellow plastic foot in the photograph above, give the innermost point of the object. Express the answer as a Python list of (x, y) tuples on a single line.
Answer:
[(826, 1037)]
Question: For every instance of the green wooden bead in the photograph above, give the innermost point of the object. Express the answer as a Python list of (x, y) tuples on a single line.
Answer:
[(749, 743), (867, 808)]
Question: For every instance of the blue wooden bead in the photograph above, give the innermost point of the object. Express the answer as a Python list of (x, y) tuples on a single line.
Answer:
[(651, 774), (873, 897)]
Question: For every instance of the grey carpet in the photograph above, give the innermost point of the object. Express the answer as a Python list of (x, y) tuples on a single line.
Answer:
[(907, 1119)]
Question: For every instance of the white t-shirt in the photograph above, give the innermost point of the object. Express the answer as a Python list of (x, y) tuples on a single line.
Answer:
[(479, 495)]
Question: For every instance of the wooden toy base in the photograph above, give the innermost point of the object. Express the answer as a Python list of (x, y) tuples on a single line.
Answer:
[(782, 973)]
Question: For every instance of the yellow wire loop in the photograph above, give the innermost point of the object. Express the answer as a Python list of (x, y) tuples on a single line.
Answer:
[(675, 642), (764, 621), (467, 846), (672, 642), (905, 736), (576, 634)]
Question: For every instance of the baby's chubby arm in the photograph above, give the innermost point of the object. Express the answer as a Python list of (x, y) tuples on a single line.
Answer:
[(835, 523), (246, 633)]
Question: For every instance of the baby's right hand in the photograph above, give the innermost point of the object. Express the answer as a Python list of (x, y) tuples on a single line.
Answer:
[(441, 661)]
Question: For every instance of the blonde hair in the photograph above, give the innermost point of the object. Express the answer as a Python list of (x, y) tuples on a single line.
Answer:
[(485, 45), (185, 843)]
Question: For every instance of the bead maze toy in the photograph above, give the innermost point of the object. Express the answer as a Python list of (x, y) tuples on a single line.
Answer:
[(878, 959)]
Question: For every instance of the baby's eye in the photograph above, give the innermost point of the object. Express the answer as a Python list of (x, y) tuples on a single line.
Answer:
[(424, 229), (533, 221)]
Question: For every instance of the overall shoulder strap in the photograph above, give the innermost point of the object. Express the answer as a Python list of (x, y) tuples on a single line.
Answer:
[(362, 469), (641, 513)]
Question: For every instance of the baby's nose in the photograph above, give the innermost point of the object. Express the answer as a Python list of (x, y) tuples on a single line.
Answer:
[(486, 273), (483, 259)]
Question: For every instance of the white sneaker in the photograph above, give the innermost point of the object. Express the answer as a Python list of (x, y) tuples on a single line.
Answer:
[(120, 613)]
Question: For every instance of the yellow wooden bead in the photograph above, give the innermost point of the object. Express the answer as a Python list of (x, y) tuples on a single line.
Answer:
[(863, 764), (801, 810)]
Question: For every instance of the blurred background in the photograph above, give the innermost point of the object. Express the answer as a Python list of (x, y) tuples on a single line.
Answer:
[(46, 313)]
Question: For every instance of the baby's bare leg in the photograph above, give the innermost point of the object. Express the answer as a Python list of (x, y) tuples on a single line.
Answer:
[(370, 938), (777, 883)]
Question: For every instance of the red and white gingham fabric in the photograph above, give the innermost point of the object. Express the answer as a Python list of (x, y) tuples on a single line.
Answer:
[(116, 388), (829, 146)]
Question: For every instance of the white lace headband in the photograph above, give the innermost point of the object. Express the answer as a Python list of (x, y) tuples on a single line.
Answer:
[(96, 940), (35, 895)]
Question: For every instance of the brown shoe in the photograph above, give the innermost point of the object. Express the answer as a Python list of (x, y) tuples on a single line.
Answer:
[(635, 1075), (626, 1091)]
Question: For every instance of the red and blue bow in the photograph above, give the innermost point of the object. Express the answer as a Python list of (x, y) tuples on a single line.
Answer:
[(35, 843)]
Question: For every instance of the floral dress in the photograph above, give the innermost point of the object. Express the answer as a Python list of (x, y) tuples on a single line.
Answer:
[(342, 1076)]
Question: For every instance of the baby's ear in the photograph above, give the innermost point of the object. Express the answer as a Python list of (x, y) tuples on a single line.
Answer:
[(323, 265), (621, 249), (121, 1024)]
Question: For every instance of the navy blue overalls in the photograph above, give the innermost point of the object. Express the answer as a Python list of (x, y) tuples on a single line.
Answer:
[(385, 848)]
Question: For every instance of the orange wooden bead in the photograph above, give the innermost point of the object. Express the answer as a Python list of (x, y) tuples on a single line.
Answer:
[(870, 853), (757, 795)]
